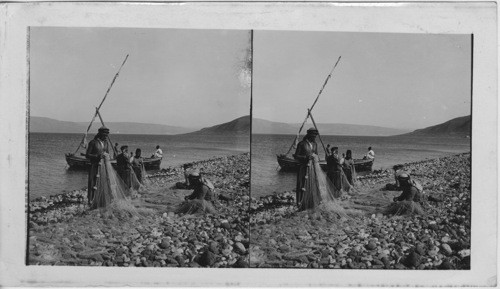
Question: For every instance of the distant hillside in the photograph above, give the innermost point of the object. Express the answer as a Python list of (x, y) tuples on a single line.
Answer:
[(260, 126), (238, 126), (460, 126), (45, 124)]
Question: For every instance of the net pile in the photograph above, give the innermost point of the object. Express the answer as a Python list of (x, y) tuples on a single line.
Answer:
[(112, 194), (320, 193), (404, 208), (196, 207)]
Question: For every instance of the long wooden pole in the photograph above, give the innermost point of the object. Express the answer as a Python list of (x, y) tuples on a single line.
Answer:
[(319, 135), (109, 139), (102, 101), (314, 103)]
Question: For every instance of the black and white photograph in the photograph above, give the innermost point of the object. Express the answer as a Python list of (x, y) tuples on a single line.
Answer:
[(377, 176), (249, 144), (139, 147)]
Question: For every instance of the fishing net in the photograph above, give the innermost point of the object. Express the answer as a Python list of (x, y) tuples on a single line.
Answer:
[(351, 174), (404, 208), (320, 193), (196, 207), (112, 194)]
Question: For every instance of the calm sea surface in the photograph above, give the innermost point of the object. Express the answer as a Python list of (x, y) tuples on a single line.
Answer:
[(49, 173), (266, 177)]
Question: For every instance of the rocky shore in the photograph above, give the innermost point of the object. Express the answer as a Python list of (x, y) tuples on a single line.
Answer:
[(63, 231), (367, 239)]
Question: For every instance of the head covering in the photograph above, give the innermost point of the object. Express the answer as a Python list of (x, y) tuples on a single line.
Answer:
[(397, 167), (194, 174), (404, 177), (103, 129), (312, 131)]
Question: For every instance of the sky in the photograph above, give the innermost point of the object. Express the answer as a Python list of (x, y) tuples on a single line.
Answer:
[(189, 78), (405, 81)]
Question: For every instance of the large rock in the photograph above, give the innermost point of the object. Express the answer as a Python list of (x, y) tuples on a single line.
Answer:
[(412, 260), (240, 248), (207, 259), (241, 263), (446, 249)]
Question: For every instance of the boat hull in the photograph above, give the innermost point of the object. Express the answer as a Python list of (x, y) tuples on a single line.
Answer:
[(76, 162), (289, 164)]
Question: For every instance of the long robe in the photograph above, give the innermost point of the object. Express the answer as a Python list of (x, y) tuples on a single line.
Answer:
[(349, 170), (123, 168), (95, 149), (304, 150), (137, 164), (334, 171)]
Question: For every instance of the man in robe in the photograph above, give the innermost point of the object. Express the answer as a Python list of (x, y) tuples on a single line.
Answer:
[(203, 189), (123, 166), (334, 168), (410, 191), (97, 149), (306, 150)]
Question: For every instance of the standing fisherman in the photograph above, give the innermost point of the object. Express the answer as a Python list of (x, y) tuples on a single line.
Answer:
[(96, 150), (306, 150), (334, 171), (123, 166), (137, 164)]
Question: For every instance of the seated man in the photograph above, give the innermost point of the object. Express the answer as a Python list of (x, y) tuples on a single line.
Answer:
[(203, 189), (398, 170), (370, 155), (410, 191), (158, 153)]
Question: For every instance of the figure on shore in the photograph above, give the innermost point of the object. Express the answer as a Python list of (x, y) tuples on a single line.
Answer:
[(158, 153), (115, 150), (398, 170), (306, 150), (348, 167), (137, 165), (123, 166), (408, 201), (97, 149), (370, 155), (202, 197), (334, 168)]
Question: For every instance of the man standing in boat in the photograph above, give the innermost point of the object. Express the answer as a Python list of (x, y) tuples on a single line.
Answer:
[(306, 150), (97, 149)]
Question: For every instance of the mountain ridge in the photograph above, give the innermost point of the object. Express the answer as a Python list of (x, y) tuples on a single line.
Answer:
[(460, 126), (48, 125), (262, 126)]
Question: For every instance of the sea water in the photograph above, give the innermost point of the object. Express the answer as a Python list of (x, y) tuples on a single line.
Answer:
[(266, 177), (48, 172)]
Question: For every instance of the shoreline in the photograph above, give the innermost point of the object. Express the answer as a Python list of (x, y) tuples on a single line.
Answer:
[(62, 231), (439, 239)]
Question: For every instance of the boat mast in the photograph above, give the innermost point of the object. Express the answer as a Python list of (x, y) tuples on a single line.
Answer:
[(311, 108), (99, 107)]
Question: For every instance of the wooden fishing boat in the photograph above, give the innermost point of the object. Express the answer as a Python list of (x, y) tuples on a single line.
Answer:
[(76, 161), (290, 164), (80, 162)]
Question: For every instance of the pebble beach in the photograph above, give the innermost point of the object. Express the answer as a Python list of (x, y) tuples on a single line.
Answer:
[(267, 232), (63, 231), (367, 238)]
